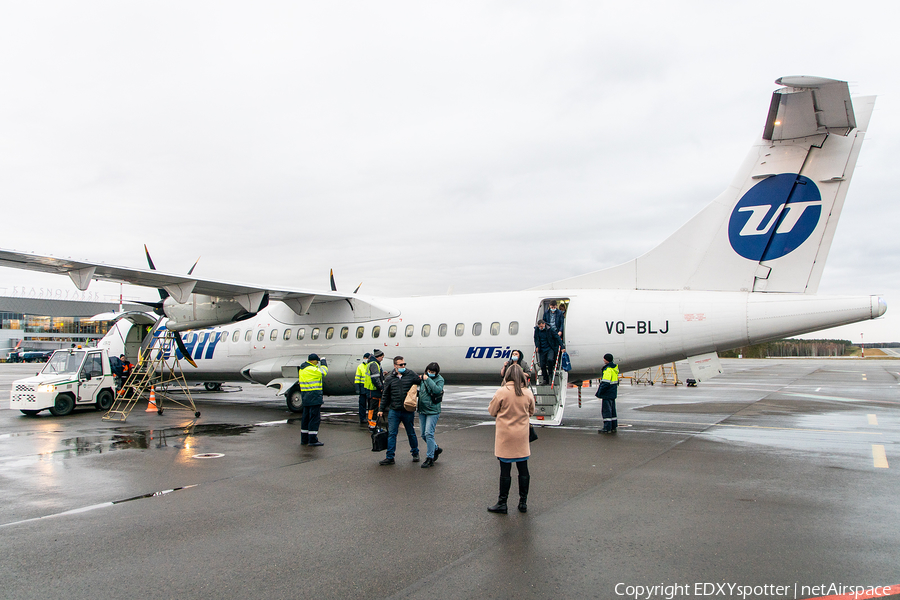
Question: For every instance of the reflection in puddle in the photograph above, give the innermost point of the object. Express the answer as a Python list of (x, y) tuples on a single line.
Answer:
[(123, 438)]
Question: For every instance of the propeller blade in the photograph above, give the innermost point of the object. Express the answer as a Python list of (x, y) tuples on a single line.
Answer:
[(163, 294), (156, 306), (357, 287), (149, 260), (184, 351), (333, 286)]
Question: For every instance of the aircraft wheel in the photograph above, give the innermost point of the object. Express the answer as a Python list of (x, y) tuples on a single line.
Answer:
[(30, 413), (294, 401), (104, 400), (64, 405), (212, 386)]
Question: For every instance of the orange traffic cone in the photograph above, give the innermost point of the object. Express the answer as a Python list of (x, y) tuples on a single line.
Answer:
[(151, 406)]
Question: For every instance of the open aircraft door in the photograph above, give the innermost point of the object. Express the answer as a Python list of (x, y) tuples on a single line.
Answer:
[(132, 327), (550, 400)]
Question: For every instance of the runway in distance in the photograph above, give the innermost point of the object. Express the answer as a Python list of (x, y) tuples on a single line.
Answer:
[(744, 270)]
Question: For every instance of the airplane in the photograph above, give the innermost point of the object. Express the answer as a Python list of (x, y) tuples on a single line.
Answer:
[(744, 270)]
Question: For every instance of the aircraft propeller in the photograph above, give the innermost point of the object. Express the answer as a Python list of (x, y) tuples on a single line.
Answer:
[(158, 308)]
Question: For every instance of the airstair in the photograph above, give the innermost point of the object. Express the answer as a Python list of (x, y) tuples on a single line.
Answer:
[(549, 400), (158, 372)]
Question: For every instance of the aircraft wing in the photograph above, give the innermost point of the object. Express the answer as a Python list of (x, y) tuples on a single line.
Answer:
[(180, 287)]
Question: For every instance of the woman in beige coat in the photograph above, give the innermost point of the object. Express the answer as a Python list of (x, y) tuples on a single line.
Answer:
[(512, 406)]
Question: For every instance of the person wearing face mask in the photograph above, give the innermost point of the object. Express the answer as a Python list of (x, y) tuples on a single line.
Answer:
[(431, 393), (555, 319), (398, 383), (517, 358)]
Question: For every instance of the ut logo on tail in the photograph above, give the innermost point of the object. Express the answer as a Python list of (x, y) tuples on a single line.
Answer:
[(775, 217)]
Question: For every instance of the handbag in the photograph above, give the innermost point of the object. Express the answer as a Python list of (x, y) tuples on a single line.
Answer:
[(564, 363), (532, 435), (412, 399), (379, 439)]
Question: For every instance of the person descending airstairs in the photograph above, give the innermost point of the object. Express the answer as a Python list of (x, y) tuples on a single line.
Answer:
[(154, 377), (549, 400)]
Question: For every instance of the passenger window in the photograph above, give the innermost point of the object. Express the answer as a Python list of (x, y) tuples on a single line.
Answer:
[(513, 328), (359, 332), (476, 329), (426, 330), (495, 328), (442, 329), (315, 334), (329, 333), (274, 335), (247, 335), (376, 331), (287, 334), (236, 336), (409, 330), (301, 333), (460, 329), (392, 331), (344, 332), (260, 335)]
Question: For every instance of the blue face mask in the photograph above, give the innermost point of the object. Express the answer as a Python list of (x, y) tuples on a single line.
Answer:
[(552, 310), (432, 375), (514, 358), (401, 369)]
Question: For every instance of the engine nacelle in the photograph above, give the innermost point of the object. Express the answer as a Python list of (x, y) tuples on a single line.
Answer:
[(203, 311)]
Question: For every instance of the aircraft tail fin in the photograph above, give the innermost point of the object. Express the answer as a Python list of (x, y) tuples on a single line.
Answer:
[(771, 230)]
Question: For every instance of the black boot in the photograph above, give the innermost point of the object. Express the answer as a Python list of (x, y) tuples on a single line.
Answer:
[(314, 440), (500, 507), (304, 439), (524, 481)]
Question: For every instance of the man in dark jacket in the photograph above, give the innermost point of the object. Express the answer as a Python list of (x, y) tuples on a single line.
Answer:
[(555, 319), (548, 345), (396, 386), (607, 392)]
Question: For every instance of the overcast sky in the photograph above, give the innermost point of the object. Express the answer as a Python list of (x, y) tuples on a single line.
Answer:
[(417, 146)]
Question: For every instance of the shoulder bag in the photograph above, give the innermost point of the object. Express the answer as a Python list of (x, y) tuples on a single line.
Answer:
[(412, 399)]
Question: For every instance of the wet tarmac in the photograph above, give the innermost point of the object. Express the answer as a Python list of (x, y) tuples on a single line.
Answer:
[(777, 473)]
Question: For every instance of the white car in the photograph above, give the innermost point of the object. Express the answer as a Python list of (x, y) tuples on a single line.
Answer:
[(71, 378)]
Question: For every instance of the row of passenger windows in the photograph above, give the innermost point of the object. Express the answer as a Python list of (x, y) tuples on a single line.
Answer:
[(375, 332)]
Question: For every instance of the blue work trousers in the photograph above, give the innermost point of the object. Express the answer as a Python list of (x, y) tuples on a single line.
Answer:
[(363, 406), (395, 417)]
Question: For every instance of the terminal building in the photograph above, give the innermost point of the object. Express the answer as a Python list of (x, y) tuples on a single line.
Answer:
[(44, 324)]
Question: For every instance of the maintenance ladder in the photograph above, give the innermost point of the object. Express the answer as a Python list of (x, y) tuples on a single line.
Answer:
[(153, 373)]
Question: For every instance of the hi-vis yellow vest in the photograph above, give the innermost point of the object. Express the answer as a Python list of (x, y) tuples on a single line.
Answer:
[(361, 372), (311, 377), (611, 374)]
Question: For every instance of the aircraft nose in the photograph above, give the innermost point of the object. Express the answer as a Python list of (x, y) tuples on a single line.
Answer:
[(879, 306)]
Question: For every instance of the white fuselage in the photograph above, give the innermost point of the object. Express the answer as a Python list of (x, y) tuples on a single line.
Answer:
[(640, 328)]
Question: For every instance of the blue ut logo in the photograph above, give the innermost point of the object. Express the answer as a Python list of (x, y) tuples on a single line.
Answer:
[(775, 217)]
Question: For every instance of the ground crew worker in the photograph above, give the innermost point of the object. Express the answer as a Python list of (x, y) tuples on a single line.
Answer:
[(607, 392), (374, 384), (312, 373), (360, 383)]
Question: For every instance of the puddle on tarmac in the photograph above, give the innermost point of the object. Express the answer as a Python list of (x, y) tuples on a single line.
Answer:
[(144, 439)]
